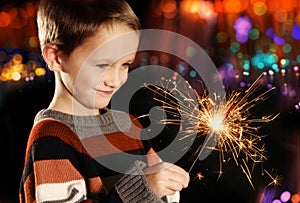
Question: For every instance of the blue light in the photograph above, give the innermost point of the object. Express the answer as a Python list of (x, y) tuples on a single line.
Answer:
[(296, 32), (262, 60), (278, 40), (275, 67), (298, 58), (193, 73), (246, 65)]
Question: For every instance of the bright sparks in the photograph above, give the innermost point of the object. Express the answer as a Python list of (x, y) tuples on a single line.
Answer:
[(216, 123), (231, 123)]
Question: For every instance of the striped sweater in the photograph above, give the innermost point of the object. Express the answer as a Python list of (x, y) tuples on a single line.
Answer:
[(86, 159)]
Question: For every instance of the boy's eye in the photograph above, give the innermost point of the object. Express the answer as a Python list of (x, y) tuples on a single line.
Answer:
[(126, 65), (102, 65)]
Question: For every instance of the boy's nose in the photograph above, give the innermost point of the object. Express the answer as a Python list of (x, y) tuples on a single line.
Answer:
[(112, 77)]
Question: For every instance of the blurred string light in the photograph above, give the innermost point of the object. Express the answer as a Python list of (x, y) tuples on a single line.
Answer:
[(250, 36), (19, 47), (17, 65), (269, 195)]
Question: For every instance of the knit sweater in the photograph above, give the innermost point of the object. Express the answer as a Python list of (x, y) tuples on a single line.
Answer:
[(85, 159)]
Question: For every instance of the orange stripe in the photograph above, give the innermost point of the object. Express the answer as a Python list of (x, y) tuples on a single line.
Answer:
[(95, 184), (55, 171), (110, 144), (28, 186), (56, 129)]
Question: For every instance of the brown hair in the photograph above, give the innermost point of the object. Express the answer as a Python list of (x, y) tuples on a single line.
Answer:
[(66, 23)]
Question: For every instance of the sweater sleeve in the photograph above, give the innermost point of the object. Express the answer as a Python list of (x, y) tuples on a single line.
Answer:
[(133, 186)]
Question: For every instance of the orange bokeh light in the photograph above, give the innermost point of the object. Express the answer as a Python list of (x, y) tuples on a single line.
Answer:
[(190, 6), (4, 19), (235, 6), (286, 5), (295, 198)]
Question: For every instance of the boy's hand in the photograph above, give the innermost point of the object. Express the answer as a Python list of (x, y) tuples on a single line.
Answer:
[(166, 178)]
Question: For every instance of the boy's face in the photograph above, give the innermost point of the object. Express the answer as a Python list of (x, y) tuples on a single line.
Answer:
[(97, 68)]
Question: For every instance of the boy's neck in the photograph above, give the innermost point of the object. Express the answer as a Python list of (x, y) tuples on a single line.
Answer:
[(63, 101)]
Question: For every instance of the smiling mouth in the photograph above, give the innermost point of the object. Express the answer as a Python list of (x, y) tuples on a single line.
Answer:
[(104, 92)]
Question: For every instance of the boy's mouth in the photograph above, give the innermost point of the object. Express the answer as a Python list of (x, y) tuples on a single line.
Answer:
[(105, 92)]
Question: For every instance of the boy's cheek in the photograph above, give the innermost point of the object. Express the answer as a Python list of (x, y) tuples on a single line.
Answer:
[(89, 76)]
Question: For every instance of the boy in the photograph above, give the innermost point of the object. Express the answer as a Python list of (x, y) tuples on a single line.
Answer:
[(74, 151)]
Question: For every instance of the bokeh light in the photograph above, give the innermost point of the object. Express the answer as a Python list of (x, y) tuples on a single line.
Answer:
[(285, 196), (259, 8), (242, 26), (296, 31), (295, 198)]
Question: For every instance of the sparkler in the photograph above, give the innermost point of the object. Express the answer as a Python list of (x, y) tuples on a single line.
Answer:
[(229, 123)]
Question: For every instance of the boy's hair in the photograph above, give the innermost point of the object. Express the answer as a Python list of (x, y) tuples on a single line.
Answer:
[(66, 23)]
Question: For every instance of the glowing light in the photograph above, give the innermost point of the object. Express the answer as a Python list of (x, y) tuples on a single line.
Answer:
[(19, 17), (283, 71), (16, 76), (4, 19), (254, 34), (169, 6), (190, 6), (284, 62), (217, 122), (235, 6), (33, 42), (270, 32), (285, 196), (270, 72), (242, 26), (170, 9), (246, 65), (234, 47), (17, 59), (262, 60), (278, 40), (275, 67), (182, 68), (40, 71), (193, 73), (295, 198), (199, 176), (259, 8), (296, 31), (242, 84), (298, 58), (276, 201), (206, 10), (287, 48)]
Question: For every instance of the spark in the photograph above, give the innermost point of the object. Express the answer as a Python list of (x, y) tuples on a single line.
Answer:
[(276, 179), (229, 121), (199, 176)]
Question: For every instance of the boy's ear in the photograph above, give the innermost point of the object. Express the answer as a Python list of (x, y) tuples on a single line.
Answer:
[(52, 57)]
